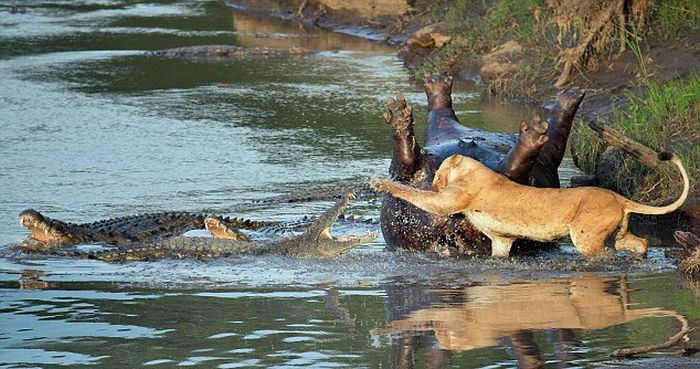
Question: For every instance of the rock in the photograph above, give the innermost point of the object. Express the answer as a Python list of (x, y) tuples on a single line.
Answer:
[(501, 62), (430, 37), (423, 42), (583, 181)]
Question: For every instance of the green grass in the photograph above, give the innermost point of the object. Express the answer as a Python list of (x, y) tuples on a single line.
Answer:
[(675, 19), (665, 117), (515, 19), (588, 147), (666, 111)]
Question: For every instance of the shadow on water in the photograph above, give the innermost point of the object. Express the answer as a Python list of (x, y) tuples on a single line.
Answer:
[(92, 128)]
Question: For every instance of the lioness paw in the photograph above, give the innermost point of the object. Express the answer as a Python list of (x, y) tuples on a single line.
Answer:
[(380, 184)]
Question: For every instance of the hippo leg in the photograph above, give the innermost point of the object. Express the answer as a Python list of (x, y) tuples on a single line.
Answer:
[(535, 159), (443, 124), (406, 156), (560, 120), (520, 160)]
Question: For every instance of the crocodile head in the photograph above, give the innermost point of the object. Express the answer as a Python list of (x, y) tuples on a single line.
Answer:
[(317, 240), (47, 231)]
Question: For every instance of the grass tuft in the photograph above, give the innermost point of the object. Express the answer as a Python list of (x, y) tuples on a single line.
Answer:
[(674, 19)]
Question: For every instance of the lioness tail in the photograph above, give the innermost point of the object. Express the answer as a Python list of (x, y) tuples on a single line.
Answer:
[(635, 207)]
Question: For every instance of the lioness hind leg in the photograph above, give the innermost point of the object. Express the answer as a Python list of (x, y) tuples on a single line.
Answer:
[(589, 242), (500, 246), (630, 242), (591, 228)]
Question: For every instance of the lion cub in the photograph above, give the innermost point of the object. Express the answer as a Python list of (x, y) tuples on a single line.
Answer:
[(504, 210)]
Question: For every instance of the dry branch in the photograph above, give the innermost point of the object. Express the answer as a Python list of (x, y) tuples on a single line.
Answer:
[(574, 56), (673, 341), (590, 29), (615, 138)]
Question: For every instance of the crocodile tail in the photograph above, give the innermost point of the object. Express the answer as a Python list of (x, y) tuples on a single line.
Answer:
[(635, 207)]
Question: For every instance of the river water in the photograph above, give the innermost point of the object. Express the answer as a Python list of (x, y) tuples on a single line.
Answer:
[(91, 129)]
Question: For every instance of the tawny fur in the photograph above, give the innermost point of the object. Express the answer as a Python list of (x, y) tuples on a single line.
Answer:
[(504, 210)]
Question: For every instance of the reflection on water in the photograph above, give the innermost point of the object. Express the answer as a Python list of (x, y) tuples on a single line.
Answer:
[(91, 128), (256, 32), (492, 315), (395, 325)]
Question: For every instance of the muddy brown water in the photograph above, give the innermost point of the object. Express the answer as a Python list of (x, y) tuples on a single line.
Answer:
[(91, 128)]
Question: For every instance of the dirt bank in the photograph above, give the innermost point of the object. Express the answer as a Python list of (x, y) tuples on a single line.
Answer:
[(510, 50)]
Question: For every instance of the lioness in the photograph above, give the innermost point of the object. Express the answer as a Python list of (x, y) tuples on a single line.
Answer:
[(504, 210)]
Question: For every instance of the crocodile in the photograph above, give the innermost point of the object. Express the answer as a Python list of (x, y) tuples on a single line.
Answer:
[(229, 52), (362, 190), (532, 157), (49, 234), (315, 241)]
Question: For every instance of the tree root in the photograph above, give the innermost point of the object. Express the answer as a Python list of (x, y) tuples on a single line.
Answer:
[(690, 258), (300, 9), (599, 24), (573, 56)]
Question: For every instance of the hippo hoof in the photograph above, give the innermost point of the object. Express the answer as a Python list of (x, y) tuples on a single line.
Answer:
[(534, 134), (570, 99), (438, 83), (398, 115)]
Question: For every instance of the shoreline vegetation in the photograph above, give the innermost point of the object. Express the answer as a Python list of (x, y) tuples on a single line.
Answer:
[(636, 59)]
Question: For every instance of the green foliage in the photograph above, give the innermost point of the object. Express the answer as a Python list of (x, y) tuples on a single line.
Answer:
[(515, 19), (588, 147), (667, 114), (666, 110), (675, 19), (456, 14), (665, 117)]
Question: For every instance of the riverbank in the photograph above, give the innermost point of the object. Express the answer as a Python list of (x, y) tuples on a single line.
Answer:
[(528, 51)]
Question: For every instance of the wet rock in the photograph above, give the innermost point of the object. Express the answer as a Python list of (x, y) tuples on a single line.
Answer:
[(607, 168), (501, 62), (583, 181), (433, 36)]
